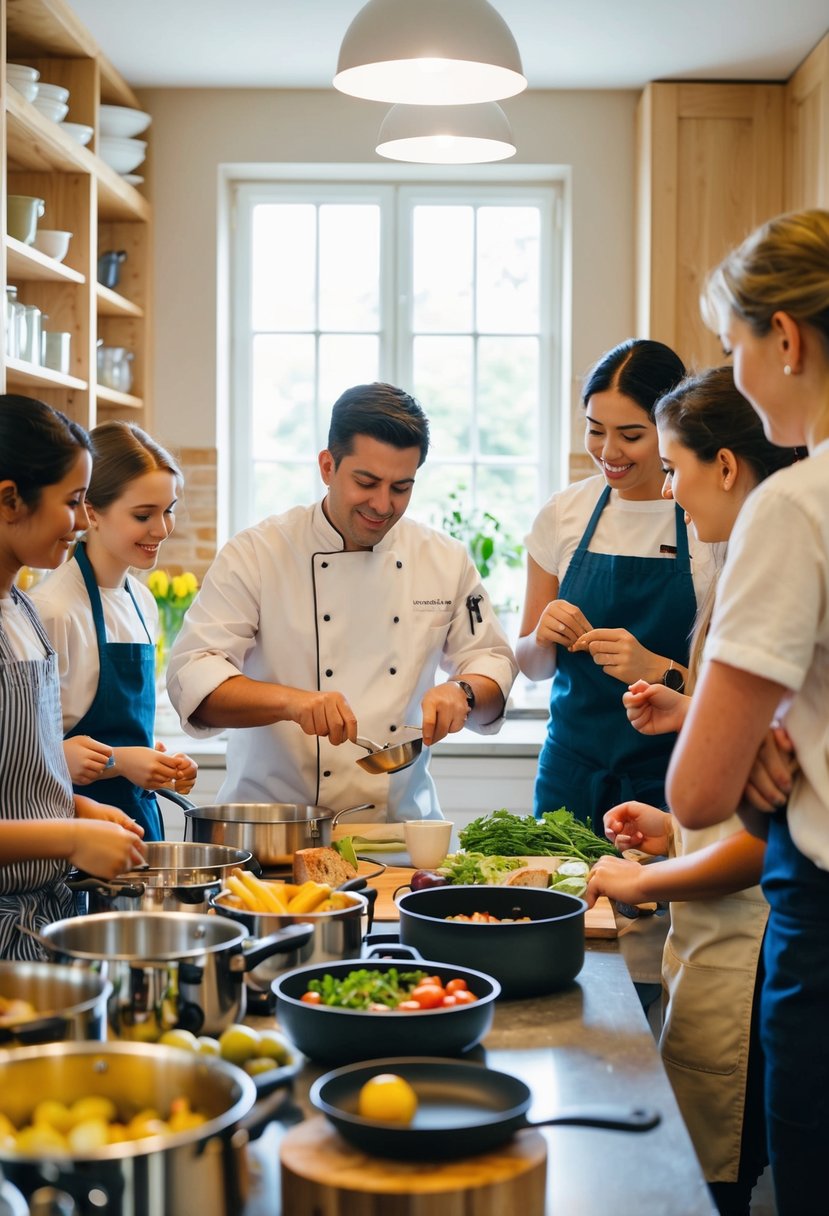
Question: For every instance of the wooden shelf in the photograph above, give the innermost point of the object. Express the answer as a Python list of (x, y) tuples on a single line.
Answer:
[(117, 199), (35, 142), (27, 376), (109, 396), (35, 27), (111, 304), (27, 264)]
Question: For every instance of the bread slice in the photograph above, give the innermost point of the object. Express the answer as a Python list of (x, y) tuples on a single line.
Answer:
[(527, 876), (322, 865)]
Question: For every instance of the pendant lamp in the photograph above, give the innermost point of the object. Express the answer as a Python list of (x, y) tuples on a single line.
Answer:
[(429, 52), (446, 135)]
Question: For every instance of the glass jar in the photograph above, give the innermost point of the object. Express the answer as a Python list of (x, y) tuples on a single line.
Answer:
[(114, 370), (12, 330), (30, 341)]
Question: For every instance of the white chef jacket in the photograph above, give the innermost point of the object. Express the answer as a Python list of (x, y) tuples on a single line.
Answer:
[(283, 602)]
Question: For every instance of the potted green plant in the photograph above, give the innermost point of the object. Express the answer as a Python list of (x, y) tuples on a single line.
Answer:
[(490, 545)]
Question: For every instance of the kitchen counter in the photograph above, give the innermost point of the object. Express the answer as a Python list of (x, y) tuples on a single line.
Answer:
[(590, 1043)]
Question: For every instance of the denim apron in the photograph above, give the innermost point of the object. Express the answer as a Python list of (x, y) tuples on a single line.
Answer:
[(122, 712), (794, 1018), (592, 758)]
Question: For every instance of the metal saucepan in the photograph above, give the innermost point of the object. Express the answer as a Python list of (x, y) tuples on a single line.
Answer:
[(463, 1109), (70, 1003), (391, 758), (334, 1035), (184, 970), (527, 958), (178, 877), (202, 1170), (271, 831)]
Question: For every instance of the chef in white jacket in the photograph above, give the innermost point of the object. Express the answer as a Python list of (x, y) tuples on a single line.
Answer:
[(332, 620)]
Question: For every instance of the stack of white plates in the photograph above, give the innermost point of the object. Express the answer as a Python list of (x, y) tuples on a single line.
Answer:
[(122, 155), (79, 132), (121, 122), (53, 101), (23, 79)]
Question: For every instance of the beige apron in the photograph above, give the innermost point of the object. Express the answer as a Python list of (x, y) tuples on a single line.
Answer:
[(709, 970)]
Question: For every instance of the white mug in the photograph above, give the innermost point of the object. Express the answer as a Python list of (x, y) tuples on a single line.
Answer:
[(427, 841)]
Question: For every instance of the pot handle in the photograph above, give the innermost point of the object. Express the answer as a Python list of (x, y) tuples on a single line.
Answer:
[(376, 949), (28, 1034), (612, 1118), (292, 937), (133, 890), (351, 810), (178, 799)]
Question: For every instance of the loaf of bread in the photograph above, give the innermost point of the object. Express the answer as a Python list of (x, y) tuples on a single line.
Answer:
[(527, 876), (322, 865)]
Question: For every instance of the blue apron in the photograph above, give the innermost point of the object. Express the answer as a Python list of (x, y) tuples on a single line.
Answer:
[(122, 712), (794, 1015), (592, 757)]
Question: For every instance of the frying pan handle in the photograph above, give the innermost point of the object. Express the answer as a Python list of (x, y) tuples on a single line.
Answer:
[(611, 1118), (351, 810)]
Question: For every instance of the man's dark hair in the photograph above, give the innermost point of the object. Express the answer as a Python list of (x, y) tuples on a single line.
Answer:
[(381, 411)]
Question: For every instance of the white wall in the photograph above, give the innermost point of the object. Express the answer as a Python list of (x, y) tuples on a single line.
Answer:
[(196, 130)]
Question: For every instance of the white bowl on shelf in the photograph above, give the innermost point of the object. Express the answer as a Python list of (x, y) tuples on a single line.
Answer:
[(23, 79), (133, 179), (122, 122), (122, 155), (54, 110), (79, 132), (52, 242), (56, 91)]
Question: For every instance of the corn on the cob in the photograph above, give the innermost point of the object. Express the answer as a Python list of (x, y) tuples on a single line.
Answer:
[(266, 896)]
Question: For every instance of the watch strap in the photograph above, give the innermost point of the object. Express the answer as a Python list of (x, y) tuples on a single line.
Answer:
[(468, 691)]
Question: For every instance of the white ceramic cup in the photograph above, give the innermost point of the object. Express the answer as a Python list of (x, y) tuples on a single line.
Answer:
[(427, 841)]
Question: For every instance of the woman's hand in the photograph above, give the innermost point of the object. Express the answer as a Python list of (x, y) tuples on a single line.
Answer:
[(561, 624), (636, 825), (653, 709), (187, 773), (617, 878), (104, 848), (770, 780), (619, 654), (86, 758), (148, 767)]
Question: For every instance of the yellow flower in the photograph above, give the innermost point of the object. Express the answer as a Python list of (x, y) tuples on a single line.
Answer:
[(190, 581), (159, 583), (180, 586)]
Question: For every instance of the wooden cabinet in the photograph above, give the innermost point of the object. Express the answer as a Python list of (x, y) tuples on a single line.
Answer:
[(84, 196), (709, 170), (807, 132)]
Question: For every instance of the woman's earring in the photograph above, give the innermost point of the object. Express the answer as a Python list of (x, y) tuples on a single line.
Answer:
[(787, 371)]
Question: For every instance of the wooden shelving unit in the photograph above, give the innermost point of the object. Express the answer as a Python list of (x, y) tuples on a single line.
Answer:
[(85, 196)]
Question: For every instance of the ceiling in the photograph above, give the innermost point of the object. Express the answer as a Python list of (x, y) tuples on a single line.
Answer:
[(591, 44)]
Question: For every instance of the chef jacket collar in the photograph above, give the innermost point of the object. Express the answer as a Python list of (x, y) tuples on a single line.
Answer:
[(331, 541)]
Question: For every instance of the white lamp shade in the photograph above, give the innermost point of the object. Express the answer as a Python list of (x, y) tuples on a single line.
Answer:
[(429, 52), (446, 135)]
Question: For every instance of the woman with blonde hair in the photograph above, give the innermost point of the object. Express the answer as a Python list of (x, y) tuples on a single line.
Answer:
[(767, 659)]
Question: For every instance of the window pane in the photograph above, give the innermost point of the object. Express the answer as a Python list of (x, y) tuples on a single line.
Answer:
[(508, 269), (284, 266), (345, 360), (278, 487), (349, 267), (283, 396), (442, 268), (511, 496), (442, 370), (508, 396), (435, 482)]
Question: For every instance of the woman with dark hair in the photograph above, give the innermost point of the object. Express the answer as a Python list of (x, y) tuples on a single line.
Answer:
[(45, 465), (613, 584)]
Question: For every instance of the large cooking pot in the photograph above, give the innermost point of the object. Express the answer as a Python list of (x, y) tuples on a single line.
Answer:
[(178, 877), (272, 831), (201, 1170), (185, 970), (71, 1002), (335, 935), (336, 1035), (527, 959), (463, 1108)]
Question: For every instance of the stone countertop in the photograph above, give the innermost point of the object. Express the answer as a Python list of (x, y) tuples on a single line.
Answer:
[(589, 1044)]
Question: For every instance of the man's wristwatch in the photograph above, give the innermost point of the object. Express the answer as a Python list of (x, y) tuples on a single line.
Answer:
[(468, 692), (673, 678)]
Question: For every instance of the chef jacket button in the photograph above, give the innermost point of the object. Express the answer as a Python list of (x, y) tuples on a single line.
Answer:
[(328, 671), (392, 727), (396, 620), (399, 565), (327, 616), (325, 565), (392, 671), (327, 773)]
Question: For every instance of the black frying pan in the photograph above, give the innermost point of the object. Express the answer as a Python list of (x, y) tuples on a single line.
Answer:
[(463, 1109)]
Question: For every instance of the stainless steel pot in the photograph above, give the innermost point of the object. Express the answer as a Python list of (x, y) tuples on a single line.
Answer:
[(336, 935), (178, 877), (185, 970), (272, 831), (71, 1002), (202, 1170)]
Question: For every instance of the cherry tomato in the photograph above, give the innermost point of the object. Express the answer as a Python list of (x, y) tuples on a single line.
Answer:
[(409, 1006), (464, 997), (457, 985), (449, 1001), (428, 996), (311, 998)]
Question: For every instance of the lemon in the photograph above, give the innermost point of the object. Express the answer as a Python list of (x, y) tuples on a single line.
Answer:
[(180, 1038), (238, 1043), (387, 1098), (259, 1065), (209, 1046), (273, 1046)]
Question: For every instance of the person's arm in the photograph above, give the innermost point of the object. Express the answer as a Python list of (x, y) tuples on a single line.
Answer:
[(729, 715), (241, 701), (102, 845), (622, 656), (653, 709), (548, 622), (721, 868), (445, 707)]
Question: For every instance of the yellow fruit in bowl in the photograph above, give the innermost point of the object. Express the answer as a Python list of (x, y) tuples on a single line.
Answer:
[(238, 1043), (209, 1046), (259, 1065), (273, 1046), (387, 1098), (180, 1038)]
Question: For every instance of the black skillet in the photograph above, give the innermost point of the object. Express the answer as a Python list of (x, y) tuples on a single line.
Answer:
[(463, 1109)]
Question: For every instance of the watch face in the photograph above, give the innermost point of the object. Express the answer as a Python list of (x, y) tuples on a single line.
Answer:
[(673, 678)]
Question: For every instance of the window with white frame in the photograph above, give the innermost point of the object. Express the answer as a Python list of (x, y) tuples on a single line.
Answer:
[(452, 291)]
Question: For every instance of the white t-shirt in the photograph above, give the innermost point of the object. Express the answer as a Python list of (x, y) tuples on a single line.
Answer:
[(771, 618), (626, 528), (62, 601), (20, 632)]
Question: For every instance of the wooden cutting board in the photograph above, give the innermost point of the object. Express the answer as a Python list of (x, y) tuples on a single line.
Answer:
[(598, 920)]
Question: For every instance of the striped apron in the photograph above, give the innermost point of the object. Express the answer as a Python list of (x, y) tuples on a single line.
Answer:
[(34, 784)]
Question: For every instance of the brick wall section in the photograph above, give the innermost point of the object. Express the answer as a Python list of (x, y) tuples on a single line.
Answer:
[(192, 545)]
